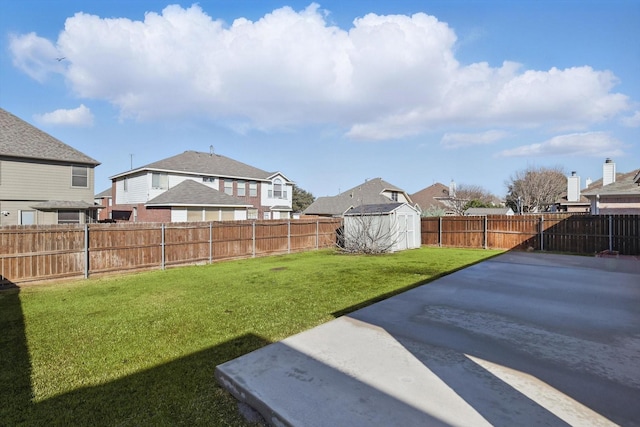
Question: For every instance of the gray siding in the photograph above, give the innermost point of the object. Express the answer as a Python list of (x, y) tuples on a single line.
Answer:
[(41, 182)]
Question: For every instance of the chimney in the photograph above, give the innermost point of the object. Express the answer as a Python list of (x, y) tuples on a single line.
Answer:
[(608, 172), (587, 183), (573, 187), (452, 189)]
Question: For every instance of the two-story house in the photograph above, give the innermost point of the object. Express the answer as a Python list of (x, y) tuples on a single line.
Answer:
[(371, 192), (198, 186), (42, 179)]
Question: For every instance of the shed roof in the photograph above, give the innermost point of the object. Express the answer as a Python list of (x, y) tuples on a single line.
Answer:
[(380, 208), (22, 140)]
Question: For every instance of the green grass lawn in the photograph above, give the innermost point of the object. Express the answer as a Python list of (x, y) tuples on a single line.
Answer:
[(141, 349)]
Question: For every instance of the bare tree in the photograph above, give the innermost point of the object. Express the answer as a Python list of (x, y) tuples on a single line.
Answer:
[(364, 233), (468, 195), (535, 189)]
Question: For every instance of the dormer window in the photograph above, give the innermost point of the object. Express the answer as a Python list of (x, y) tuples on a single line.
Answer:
[(394, 196)]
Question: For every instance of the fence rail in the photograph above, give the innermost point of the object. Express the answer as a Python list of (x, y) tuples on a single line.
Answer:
[(33, 253), (585, 234)]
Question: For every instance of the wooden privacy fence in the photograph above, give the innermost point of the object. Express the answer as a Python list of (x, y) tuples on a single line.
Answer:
[(585, 234), (29, 253)]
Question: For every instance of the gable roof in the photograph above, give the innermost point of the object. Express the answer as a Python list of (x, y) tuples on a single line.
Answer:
[(380, 208), (426, 198), (198, 163), (19, 139), (192, 193), (105, 194), (369, 192), (625, 185)]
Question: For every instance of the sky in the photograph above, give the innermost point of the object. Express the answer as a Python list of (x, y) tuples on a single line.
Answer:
[(335, 92)]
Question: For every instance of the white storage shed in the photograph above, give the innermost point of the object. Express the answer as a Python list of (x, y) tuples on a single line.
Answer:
[(388, 227)]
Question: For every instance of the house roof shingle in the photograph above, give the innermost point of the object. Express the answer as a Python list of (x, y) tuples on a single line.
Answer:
[(426, 198), (379, 208), (369, 192), (192, 193), (199, 163), (20, 139), (625, 185)]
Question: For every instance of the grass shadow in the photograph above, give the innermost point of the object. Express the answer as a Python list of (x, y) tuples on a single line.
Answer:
[(180, 392), (15, 375)]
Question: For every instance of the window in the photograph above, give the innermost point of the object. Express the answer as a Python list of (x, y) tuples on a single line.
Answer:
[(279, 191), (209, 179), (228, 187), (79, 176), (394, 196), (253, 189), (242, 189), (68, 217), (160, 181), (27, 217), (126, 184), (252, 213)]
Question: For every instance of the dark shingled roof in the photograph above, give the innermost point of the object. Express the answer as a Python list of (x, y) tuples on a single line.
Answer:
[(21, 140), (65, 204), (192, 193), (199, 163), (373, 209)]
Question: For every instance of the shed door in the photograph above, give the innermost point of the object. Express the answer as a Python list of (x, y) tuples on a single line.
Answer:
[(402, 231)]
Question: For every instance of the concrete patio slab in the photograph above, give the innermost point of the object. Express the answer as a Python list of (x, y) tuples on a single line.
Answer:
[(522, 339)]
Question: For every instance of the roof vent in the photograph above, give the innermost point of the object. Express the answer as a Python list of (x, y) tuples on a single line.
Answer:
[(211, 149)]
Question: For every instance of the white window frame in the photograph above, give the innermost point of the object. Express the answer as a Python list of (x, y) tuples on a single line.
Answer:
[(241, 188), (228, 187), (79, 173), (253, 189), (159, 181)]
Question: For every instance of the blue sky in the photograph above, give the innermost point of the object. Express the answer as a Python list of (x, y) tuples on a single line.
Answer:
[(335, 92)]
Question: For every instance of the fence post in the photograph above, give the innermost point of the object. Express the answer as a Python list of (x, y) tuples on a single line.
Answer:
[(485, 231), (289, 236), (440, 231), (253, 239), (610, 233), (542, 232), (317, 234), (86, 251), (210, 242), (162, 245)]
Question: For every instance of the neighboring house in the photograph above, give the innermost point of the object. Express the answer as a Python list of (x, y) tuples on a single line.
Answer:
[(42, 179), (387, 227), (572, 200), (615, 194), (104, 200), (196, 186), (373, 191), (488, 211), (430, 200)]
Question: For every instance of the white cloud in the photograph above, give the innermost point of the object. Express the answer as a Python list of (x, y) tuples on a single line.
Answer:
[(589, 144), (631, 121), (458, 140), (385, 77), (80, 116), (36, 56)]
